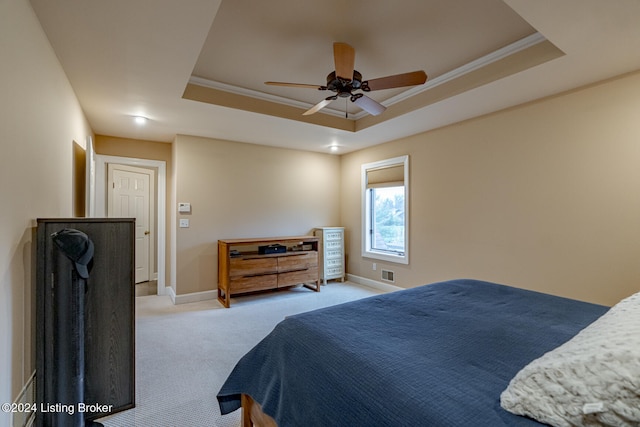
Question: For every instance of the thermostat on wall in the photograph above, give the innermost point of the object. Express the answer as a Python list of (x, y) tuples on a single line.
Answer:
[(184, 207)]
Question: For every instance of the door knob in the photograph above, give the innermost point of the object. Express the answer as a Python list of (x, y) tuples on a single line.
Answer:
[(146, 233)]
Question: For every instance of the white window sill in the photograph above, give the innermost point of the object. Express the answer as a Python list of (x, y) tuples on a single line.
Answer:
[(384, 256)]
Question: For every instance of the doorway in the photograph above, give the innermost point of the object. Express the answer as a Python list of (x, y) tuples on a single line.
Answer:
[(130, 194), (100, 201)]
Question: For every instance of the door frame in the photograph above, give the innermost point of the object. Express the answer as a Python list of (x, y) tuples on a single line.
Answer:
[(160, 195), (151, 206), (90, 179)]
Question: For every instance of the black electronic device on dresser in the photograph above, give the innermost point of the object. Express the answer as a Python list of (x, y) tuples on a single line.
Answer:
[(90, 310), (272, 249)]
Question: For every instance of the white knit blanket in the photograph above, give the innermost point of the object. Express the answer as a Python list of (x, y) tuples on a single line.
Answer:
[(591, 380)]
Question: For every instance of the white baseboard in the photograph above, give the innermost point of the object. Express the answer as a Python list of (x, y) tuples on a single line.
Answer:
[(192, 297), (213, 294), (27, 396), (373, 283), (172, 294)]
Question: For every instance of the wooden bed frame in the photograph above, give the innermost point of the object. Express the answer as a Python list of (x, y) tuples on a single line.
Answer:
[(252, 415)]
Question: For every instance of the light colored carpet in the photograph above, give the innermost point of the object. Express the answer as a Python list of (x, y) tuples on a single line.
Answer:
[(185, 352)]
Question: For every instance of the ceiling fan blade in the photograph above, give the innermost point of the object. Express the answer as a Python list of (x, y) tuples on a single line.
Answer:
[(303, 85), (398, 80), (344, 57), (369, 105), (319, 106)]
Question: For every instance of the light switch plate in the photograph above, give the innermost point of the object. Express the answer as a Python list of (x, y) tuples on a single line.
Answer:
[(184, 223)]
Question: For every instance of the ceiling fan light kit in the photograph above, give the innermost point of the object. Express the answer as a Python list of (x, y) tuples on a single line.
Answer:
[(345, 80)]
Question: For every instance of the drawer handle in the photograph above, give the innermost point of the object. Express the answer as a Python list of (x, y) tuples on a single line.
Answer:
[(292, 271)]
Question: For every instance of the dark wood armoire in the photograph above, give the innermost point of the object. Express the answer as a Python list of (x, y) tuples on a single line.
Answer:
[(108, 320)]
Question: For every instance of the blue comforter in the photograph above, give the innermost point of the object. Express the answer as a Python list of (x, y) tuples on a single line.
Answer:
[(436, 355)]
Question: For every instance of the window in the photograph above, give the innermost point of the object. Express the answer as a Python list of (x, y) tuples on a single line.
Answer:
[(385, 213)]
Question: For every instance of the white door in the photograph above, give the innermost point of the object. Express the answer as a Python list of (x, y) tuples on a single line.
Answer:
[(130, 196)]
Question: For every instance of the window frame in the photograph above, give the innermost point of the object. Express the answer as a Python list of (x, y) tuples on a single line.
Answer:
[(367, 250)]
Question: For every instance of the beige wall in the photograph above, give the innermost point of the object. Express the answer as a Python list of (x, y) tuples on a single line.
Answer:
[(245, 190), (544, 196), (136, 148), (40, 119)]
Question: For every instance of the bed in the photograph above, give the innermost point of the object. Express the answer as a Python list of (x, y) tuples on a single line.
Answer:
[(436, 355)]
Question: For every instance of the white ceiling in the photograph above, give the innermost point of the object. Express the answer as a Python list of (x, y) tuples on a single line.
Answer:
[(295, 43), (137, 57)]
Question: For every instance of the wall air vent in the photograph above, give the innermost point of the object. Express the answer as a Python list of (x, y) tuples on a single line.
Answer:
[(387, 275)]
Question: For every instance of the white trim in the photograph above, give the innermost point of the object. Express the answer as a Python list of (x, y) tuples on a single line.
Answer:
[(90, 191), (366, 252), (200, 81), (26, 396), (172, 294), (469, 67), (373, 283), (192, 297), (161, 193), (483, 61)]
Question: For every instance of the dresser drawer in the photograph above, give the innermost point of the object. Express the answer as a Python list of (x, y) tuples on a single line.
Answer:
[(252, 266), (296, 277), (253, 283), (334, 272), (333, 245), (333, 253), (333, 235), (297, 262), (333, 262)]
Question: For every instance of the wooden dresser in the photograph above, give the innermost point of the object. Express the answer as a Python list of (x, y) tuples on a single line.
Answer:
[(242, 268)]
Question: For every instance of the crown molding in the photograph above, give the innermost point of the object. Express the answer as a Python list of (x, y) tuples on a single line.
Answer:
[(483, 61)]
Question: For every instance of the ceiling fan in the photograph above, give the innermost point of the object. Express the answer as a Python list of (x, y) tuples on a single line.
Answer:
[(345, 80)]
